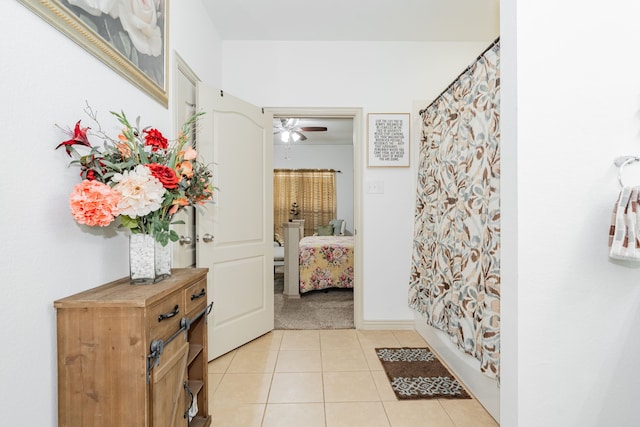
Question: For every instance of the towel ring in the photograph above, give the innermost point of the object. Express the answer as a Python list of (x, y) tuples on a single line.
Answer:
[(621, 162)]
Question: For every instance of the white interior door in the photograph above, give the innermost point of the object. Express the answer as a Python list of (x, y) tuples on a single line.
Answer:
[(236, 232)]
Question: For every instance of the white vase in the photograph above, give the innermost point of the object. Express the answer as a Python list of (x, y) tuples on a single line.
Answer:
[(149, 261)]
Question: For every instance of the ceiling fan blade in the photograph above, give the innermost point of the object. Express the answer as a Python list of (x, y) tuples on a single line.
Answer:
[(313, 129), (302, 137)]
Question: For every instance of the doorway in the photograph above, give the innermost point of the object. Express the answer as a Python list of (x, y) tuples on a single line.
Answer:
[(354, 117)]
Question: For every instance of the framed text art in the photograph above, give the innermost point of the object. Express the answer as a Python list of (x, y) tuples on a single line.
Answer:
[(128, 36), (388, 140)]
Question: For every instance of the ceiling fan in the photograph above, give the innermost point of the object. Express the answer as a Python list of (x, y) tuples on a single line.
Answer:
[(290, 131)]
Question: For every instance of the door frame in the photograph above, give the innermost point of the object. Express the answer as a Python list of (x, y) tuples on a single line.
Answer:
[(181, 67), (188, 215), (356, 115)]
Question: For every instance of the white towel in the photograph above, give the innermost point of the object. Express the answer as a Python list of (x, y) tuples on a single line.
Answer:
[(624, 234)]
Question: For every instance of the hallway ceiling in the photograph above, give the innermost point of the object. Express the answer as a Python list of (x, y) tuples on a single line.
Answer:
[(356, 20)]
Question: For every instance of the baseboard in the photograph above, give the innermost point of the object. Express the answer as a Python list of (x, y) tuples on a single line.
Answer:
[(387, 324), (463, 366)]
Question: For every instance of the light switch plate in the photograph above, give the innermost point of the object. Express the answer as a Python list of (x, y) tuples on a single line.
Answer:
[(375, 187)]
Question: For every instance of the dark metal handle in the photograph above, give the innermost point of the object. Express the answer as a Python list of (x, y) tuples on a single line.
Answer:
[(175, 311), (202, 293)]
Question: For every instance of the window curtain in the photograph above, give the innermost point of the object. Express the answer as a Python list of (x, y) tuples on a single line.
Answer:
[(314, 192), (455, 271)]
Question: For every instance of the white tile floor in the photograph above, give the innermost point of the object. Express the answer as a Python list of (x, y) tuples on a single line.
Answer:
[(324, 378)]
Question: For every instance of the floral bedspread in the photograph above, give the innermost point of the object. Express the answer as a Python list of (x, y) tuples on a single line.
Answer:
[(326, 262)]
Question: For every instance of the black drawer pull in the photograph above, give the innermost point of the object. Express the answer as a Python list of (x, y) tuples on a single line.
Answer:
[(175, 311), (202, 293)]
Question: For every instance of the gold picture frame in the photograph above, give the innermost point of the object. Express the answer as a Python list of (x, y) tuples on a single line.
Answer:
[(388, 143), (139, 56)]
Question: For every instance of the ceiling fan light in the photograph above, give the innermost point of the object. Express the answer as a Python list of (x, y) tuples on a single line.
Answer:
[(284, 136), (291, 123), (295, 136)]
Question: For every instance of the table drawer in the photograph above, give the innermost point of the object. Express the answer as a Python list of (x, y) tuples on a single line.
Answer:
[(164, 317), (195, 296)]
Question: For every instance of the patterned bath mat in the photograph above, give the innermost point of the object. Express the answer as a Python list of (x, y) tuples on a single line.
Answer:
[(416, 373)]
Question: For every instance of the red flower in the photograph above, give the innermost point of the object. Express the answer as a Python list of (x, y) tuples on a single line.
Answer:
[(165, 175), (79, 136), (155, 139)]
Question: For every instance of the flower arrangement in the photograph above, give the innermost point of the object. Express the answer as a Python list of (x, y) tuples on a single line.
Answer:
[(140, 178)]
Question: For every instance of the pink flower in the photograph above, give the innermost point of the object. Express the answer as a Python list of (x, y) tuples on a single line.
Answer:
[(177, 204), (185, 169), (189, 154), (124, 150), (94, 203)]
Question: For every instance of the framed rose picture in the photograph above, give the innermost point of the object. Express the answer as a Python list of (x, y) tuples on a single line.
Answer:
[(130, 36), (388, 140)]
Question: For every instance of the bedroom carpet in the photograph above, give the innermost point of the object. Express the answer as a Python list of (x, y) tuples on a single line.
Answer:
[(416, 373), (314, 310)]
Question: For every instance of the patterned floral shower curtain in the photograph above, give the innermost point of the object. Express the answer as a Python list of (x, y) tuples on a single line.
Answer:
[(455, 272)]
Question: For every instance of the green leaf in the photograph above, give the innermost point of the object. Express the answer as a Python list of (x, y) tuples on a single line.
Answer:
[(128, 222), (162, 238)]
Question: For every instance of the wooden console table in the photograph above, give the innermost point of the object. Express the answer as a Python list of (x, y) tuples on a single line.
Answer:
[(135, 355)]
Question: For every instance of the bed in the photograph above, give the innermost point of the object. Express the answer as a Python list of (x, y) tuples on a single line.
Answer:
[(325, 262)]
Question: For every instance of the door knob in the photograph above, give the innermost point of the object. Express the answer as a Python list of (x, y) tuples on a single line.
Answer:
[(207, 238), (185, 240)]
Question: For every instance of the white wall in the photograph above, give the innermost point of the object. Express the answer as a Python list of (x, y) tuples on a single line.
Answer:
[(578, 313), (379, 78), (338, 157), (46, 79), (509, 321)]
